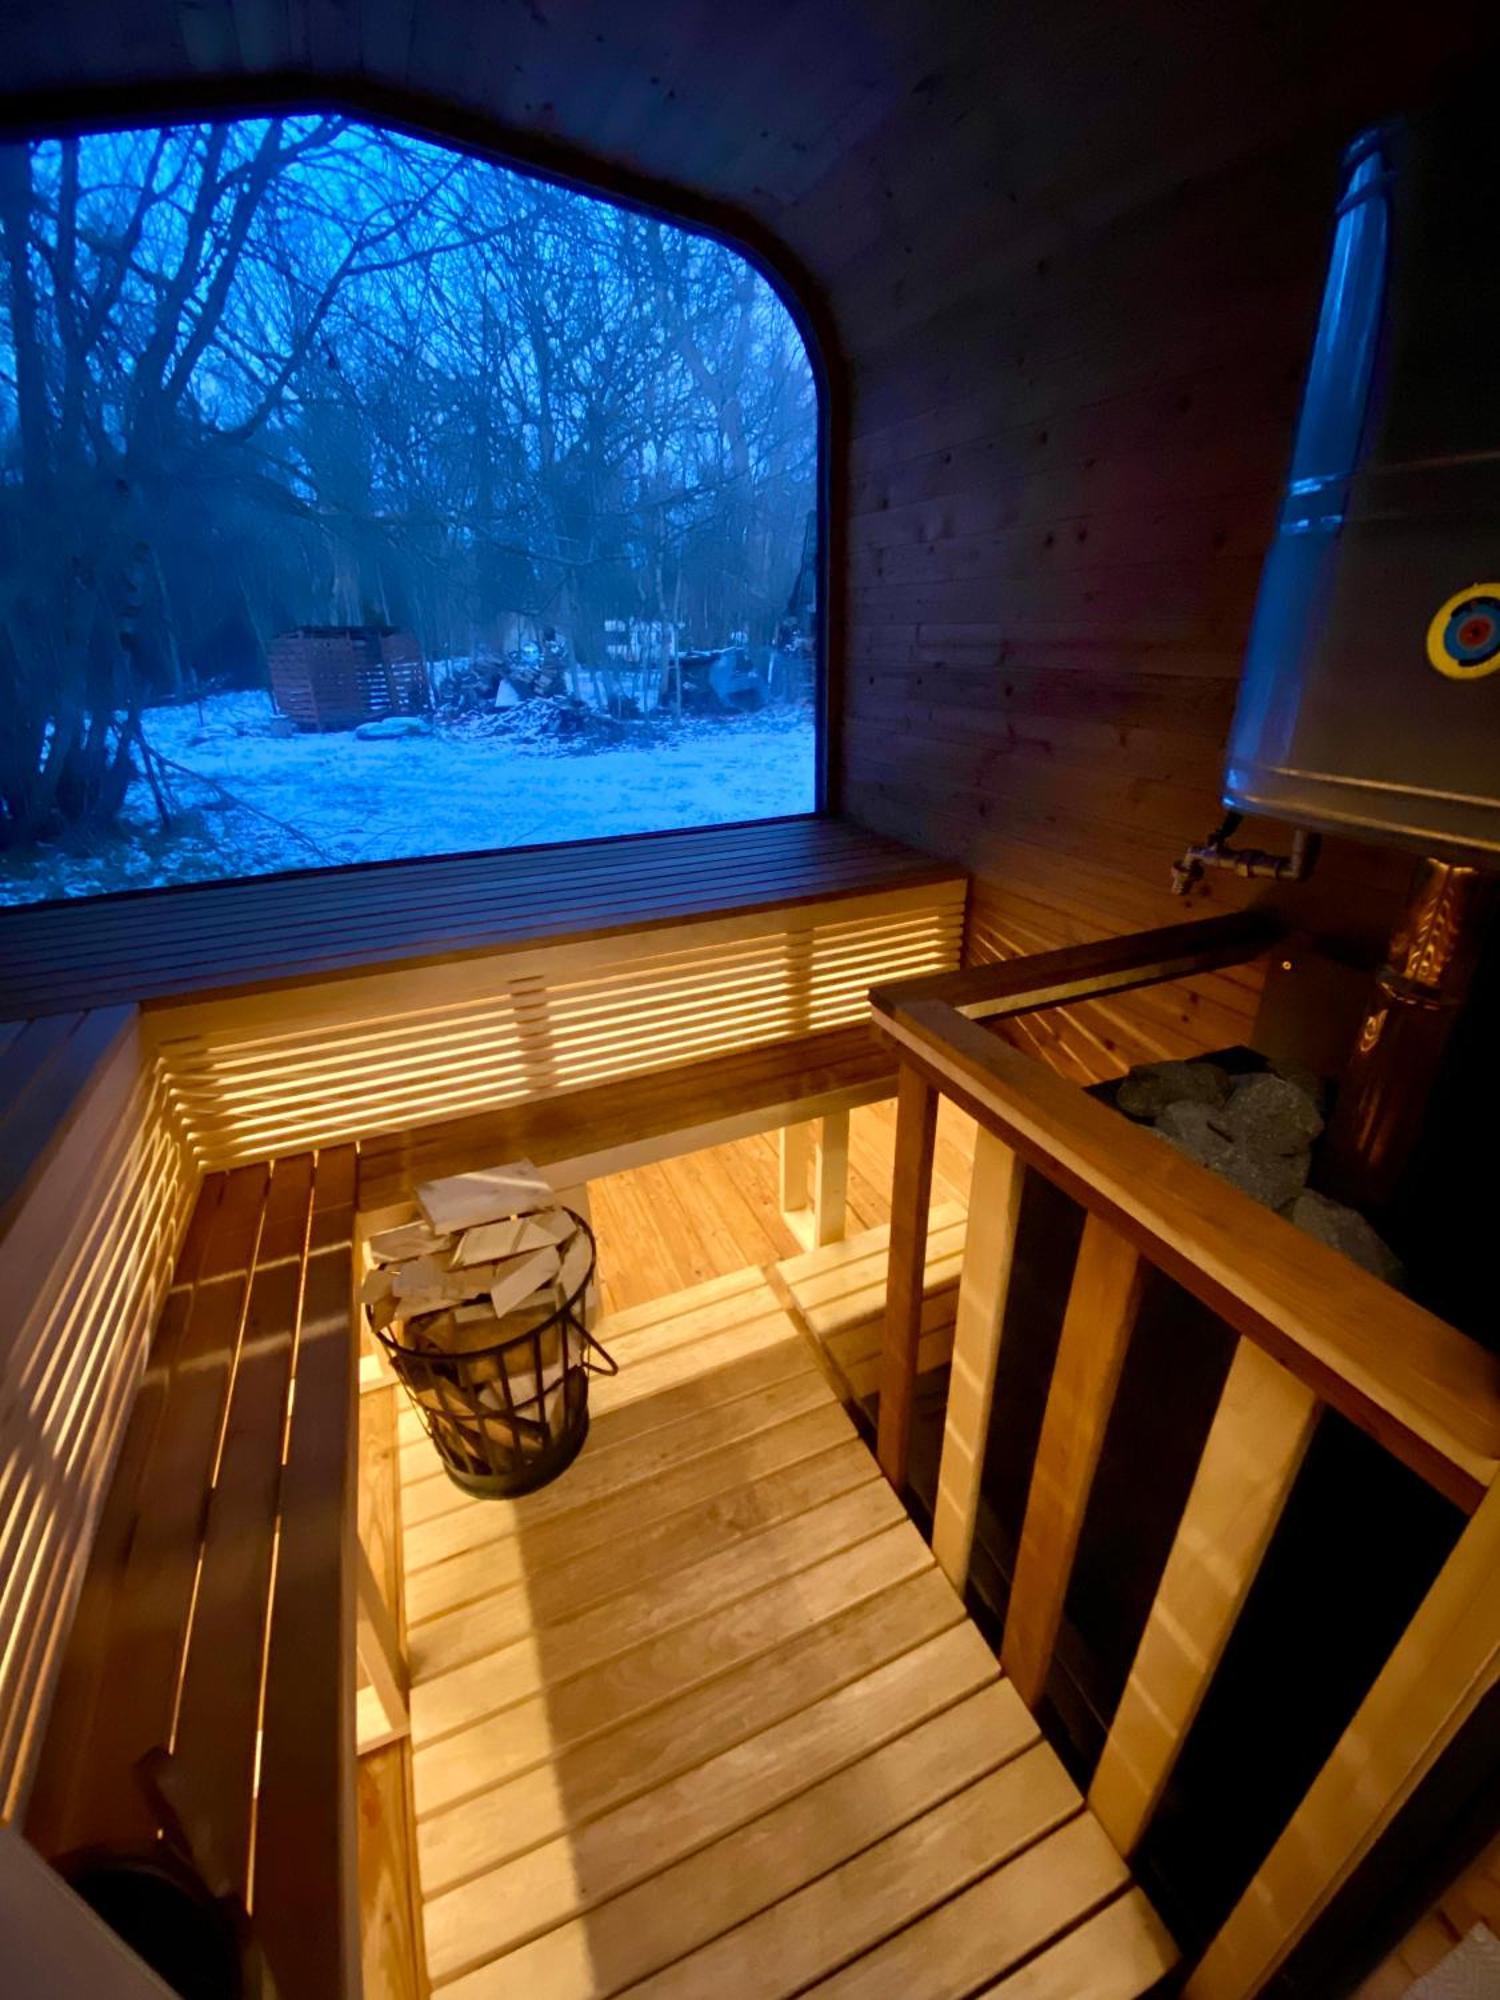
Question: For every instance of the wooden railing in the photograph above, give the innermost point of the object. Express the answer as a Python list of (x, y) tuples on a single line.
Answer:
[(1314, 1330)]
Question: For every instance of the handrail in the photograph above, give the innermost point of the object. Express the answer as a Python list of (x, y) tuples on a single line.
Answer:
[(1007, 986), (1314, 1330), (1426, 1392)]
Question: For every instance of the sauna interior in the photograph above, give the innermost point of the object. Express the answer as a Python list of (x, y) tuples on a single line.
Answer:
[(999, 1493)]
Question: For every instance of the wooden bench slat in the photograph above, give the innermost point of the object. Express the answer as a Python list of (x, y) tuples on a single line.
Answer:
[(303, 1901), (773, 1079), (220, 1700), (215, 936)]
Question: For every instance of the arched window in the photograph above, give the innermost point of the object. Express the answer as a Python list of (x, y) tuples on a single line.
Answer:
[(361, 498)]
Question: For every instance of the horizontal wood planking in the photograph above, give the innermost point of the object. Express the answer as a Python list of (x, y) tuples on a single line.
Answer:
[(699, 1732), (893, 1883), (215, 1618), (641, 1930), (583, 1781), (380, 1052), (587, 1704), (515, 1667), (1056, 526), (221, 937), (633, 1120), (1002, 1918), (100, 1199), (528, 1896)]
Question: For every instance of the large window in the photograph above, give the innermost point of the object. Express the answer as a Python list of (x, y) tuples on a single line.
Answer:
[(362, 499)]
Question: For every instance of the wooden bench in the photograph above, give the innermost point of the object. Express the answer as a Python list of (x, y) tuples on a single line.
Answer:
[(639, 1119), (216, 1618)]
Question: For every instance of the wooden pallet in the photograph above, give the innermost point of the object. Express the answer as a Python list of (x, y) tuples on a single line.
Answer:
[(703, 1717), (838, 1294)]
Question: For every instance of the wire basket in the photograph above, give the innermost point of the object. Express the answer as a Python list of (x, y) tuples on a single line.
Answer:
[(507, 1418)]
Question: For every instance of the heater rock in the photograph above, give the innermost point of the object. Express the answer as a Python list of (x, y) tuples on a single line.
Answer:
[(1271, 1178), (1271, 1115), (1345, 1229), (1190, 1127), (1151, 1087)]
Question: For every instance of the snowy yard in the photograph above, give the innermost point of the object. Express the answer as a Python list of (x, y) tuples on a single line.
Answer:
[(260, 800)]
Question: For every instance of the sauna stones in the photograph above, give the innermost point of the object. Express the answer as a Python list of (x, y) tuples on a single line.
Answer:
[(1345, 1229), (1152, 1088), (1272, 1179), (1190, 1127), (1253, 1130), (1256, 1131), (1271, 1115)]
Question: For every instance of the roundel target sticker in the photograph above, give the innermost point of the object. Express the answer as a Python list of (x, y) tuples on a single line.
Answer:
[(1463, 640)]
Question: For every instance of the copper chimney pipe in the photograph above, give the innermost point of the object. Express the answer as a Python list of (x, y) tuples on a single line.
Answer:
[(1417, 996)]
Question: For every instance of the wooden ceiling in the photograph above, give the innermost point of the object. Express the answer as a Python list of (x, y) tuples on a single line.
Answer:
[(873, 137)]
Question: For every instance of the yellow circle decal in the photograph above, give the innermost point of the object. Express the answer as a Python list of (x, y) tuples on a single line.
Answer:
[(1463, 640)]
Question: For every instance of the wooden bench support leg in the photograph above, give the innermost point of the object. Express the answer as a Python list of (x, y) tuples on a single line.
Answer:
[(830, 1178), (380, 1656), (911, 1198), (794, 1151), (1102, 1306), (994, 1204), (1255, 1446)]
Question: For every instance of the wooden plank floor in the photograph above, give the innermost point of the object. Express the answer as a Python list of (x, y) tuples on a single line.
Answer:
[(661, 1229), (703, 1718)]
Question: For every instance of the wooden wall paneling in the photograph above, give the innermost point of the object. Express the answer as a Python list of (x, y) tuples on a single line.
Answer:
[(133, 1713), (86, 1256)]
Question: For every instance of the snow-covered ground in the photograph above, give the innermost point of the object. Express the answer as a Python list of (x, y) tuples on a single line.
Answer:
[(260, 800)]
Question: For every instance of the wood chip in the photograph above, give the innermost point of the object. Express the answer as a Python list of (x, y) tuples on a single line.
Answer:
[(517, 1281), (411, 1239), (575, 1265), (492, 1242), (377, 1285), (462, 1201)]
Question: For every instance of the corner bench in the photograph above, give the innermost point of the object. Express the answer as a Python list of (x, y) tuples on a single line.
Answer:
[(216, 1616)]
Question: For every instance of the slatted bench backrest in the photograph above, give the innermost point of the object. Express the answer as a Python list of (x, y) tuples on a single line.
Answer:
[(215, 1619), (95, 1187)]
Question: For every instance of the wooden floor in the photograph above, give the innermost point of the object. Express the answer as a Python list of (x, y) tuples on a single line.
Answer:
[(702, 1717), (666, 1227), (661, 1229)]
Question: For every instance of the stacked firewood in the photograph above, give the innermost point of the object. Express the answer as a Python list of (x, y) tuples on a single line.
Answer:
[(492, 1259)]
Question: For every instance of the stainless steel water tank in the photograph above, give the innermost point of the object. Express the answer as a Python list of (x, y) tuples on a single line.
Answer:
[(1370, 701)]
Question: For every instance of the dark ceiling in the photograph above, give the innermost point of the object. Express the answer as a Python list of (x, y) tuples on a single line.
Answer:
[(829, 122)]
